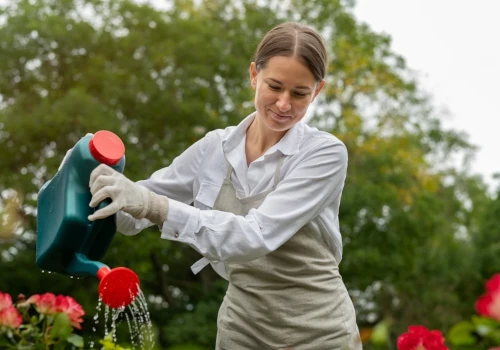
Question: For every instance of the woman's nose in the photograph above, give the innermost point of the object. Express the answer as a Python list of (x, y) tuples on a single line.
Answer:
[(283, 103)]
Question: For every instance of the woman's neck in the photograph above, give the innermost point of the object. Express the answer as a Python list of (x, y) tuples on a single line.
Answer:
[(259, 138)]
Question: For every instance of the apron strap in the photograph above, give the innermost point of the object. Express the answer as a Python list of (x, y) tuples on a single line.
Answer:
[(229, 170)]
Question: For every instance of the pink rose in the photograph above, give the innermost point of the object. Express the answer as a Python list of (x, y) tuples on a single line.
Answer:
[(45, 303), (70, 307), (5, 301), (10, 317)]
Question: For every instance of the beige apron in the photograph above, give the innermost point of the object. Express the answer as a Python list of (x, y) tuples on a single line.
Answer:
[(292, 298)]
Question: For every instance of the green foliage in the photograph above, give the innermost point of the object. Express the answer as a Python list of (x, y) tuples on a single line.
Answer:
[(61, 329), (75, 340), (186, 347), (419, 231), (380, 335), (479, 332), (197, 327), (108, 344), (486, 241)]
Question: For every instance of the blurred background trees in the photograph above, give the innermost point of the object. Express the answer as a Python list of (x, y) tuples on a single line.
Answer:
[(419, 229)]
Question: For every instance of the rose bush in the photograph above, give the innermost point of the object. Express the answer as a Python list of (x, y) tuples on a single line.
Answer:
[(42, 319), (482, 331)]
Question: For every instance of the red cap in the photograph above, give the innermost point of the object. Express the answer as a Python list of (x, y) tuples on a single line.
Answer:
[(106, 147)]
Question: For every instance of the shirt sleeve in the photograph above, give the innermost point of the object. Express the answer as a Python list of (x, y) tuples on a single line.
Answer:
[(174, 181), (303, 193)]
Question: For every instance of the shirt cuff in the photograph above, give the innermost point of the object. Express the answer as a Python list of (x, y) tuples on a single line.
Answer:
[(182, 222)]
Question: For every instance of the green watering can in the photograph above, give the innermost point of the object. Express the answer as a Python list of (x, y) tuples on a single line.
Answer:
[(67, 242)]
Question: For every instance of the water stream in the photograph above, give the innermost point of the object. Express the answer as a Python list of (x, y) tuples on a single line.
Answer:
[(138, 320)]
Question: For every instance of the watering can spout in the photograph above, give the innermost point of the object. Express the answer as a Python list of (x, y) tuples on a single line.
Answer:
[(118, 287), (81, 265)]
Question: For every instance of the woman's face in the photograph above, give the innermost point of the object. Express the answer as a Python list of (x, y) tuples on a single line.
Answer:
[(284, 89)]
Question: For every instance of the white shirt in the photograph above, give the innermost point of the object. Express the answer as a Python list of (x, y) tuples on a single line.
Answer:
[(311, 182)]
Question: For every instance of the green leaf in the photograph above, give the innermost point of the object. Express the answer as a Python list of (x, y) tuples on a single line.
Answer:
[(494, 336), (49, 318), (41, 317), (108, 343), (380, 335), (60, 346), (76, 340), (34, 320), (484, 325), (462, 334), (186, 347), (62, 327)]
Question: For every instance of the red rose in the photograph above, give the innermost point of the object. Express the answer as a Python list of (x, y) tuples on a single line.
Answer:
[(49, 304), (70, 307), (420, 338), (489, 303), (45, 303)]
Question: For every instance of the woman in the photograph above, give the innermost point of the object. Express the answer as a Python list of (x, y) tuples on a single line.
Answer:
[(266, 197)]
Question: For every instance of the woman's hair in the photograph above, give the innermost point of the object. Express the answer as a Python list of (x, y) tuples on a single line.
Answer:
[(293, 39)]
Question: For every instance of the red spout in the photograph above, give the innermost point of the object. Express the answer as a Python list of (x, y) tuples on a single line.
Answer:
[(118, 286)]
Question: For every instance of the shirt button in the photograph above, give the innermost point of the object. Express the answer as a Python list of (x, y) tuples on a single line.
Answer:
[(176, 235)]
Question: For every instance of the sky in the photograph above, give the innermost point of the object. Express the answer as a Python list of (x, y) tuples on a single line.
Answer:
[(454, 45)]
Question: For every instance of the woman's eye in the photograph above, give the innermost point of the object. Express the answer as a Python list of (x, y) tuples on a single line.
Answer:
[(299, 94), (274, 87)]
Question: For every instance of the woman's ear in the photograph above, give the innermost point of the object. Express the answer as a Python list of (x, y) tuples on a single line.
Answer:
[(319, 87), (253, 75)]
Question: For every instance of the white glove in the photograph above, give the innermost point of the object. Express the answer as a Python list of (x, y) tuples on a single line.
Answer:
[(137, 200)]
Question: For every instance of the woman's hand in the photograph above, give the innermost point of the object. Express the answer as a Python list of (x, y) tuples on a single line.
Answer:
[(134, 199)]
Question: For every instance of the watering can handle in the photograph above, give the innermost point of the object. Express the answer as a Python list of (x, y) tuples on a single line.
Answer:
[(94, 227)]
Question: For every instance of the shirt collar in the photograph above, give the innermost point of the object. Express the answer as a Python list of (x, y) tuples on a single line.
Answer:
[(288, 145)]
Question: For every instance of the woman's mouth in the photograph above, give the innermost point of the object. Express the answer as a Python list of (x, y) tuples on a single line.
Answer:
[(279, 117)]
